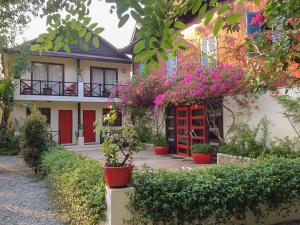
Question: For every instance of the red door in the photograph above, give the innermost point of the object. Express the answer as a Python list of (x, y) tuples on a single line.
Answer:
[(89, 117), (65, 126), (197, 124), (182, 131), (190, 128)]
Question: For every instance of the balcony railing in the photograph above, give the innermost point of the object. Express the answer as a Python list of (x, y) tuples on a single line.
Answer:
[(100, 90), (53, 88)]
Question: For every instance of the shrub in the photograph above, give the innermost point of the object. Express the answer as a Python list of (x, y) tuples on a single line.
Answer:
[(200, 148), (77, 184), (10, 144), (159, 140), (34, 139), (223, 192)]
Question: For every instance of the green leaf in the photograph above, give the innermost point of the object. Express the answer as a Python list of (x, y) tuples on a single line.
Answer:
[(213, 2), (234, 18), (141, 56), (93, 26), (87, 20), (123, 20), (163, 54), (139, 46), (96, 42), (202, 10), (196, 7), (223, 9), (82, 32), (67, 49), (209, 17), (179, 25), (181, 46), (136, 16), (88, 36), (218, 26), (35, 47), (98, 30), (58, 46), (257, 2)]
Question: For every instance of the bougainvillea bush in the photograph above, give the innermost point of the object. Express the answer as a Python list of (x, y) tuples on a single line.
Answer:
[(203, 83)]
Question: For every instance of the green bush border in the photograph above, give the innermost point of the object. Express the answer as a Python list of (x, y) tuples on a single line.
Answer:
[(77, 185), (223, 192)]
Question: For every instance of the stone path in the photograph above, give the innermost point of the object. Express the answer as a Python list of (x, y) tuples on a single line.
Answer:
[(23, 198)]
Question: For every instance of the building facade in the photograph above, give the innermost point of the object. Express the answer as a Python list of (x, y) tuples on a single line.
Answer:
[(72, 90), (188, 124)]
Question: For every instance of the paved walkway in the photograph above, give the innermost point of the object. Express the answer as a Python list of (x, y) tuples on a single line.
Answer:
[(145, 157), (23, 198)]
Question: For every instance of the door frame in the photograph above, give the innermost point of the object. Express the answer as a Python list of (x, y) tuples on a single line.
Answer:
[(66, 110), (182, 108), (88, 110), (189, 125)]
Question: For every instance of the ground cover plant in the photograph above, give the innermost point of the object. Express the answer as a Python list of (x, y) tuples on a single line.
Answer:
[(256, 142), (191, 197), (77, 185)]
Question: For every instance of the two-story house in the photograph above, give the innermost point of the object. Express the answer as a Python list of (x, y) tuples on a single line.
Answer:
[(72, 90), (187, 124)]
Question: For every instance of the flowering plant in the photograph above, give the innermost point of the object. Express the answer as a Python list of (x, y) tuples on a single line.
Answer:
[(203, 83)]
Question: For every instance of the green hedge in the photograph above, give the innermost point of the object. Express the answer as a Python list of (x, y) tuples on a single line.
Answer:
[(77, 184), (226, 192)]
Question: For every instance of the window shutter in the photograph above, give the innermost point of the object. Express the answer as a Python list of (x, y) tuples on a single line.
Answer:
[(169, 66), (174, 64), (212, 47), (142, 69), (251, 29), (204, 51)]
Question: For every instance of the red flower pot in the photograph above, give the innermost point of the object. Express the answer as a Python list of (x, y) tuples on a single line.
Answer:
[(202, 158), (116, 177), (161, 150)]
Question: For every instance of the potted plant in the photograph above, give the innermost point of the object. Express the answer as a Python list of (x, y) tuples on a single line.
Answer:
[(201, 153), (160, 144), (118, 147)]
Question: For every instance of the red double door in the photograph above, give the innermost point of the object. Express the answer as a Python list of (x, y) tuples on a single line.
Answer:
[(190, 128), (89, 117)]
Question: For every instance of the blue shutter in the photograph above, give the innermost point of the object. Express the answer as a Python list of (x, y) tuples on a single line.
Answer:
[(142, 69), (204, 52), (174, 64), (251, 29)]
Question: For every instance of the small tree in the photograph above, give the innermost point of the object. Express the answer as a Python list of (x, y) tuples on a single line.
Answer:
[(34, 139)]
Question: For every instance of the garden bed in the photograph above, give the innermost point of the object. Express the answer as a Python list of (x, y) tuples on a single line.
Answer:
[(231, 159)]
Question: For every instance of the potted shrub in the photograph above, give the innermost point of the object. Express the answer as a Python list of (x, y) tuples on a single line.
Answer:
[(118, 147), (160, 144), (201, 153)]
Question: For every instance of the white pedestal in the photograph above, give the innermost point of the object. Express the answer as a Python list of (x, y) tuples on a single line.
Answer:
[(117, 200), (80, 141)]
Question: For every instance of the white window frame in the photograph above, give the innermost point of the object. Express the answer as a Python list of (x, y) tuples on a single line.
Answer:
[(210, 57), (173, 64)]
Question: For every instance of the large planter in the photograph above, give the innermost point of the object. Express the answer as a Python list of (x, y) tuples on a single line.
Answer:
[(117, 177), (231, 159), (202, 158), (161, 150)]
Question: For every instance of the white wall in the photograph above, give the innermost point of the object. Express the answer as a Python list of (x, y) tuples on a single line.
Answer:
[(265, 105)]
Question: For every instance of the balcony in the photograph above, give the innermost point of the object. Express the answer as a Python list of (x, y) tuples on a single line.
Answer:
[(100, 90), (52, 88), (41, 90)]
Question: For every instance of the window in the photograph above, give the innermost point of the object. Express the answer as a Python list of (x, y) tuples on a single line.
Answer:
[(141, 69), (251, 29), (171, 65), (118, 121), (49, 72), (47, 113), (208, 51), (104, 76)]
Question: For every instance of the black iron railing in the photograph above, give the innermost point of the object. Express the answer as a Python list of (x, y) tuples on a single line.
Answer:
[(54, 136), (101, 90), (43, 87)]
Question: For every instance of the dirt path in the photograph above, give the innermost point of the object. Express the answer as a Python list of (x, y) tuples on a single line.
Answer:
[(23, 199)]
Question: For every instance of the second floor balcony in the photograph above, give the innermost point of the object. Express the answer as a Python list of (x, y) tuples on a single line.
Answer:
[(65, 91)]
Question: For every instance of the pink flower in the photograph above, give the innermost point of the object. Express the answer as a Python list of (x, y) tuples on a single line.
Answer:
[(159, 99), (213, 88), (202, 77), (198, 70), (258, 19), (188, 78)]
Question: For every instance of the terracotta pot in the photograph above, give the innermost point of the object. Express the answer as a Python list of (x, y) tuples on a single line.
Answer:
[(202, 158), (161, 150), (116, 177)]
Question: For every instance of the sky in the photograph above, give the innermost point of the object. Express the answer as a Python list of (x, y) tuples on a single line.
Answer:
[(119, 37)]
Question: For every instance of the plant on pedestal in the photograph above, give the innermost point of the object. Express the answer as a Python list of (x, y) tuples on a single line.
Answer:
[(118, 147)]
